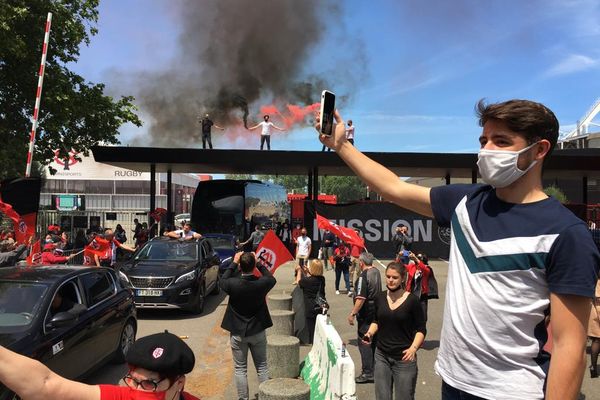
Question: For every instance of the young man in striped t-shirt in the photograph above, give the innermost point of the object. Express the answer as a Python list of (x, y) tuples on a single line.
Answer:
[(511, 262)]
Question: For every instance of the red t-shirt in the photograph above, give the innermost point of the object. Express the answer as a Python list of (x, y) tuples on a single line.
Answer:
[(356, 251), (112, 392)]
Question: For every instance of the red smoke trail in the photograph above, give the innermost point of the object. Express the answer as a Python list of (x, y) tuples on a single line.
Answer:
[(236, 136), (294, 115)]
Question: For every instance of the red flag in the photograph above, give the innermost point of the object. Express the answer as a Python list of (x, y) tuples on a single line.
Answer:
[(271, 252), (98, 247), (35, 254), (347, 235), (23, 197), (24, 227), (7, 210), (158, 214)]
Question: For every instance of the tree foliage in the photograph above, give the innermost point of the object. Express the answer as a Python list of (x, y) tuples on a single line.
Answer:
[(74, 114), (347, 188), (556, 192)]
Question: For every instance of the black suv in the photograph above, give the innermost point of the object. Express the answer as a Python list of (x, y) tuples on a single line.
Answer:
[(171, 273)]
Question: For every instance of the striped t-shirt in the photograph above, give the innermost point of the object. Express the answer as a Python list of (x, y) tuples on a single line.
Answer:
[(505, 259)]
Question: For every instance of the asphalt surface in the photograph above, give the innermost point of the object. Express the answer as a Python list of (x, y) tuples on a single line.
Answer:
[(212, 378)]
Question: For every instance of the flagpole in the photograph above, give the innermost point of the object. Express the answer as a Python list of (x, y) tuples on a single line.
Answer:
[(38, 95)]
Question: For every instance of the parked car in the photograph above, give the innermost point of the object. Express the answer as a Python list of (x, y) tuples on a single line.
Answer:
[(172, 274), (179, 218), (72, 319), (225, 245)]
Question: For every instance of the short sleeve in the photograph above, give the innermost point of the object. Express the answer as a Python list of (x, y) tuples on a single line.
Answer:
[(361, 289), (444, 200), (573, 262)]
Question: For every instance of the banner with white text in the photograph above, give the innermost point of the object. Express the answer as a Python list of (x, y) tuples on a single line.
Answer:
[(377, 222)]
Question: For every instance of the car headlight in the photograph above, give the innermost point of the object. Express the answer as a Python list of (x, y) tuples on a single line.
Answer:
[(190, 276), (123, 277)]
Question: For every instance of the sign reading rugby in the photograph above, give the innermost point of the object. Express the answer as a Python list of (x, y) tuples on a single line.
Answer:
[(377, 223)]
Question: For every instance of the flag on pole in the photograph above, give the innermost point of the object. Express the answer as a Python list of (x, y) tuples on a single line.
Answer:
[(347, 235), (271, 252), (98, 247), (35, 254)]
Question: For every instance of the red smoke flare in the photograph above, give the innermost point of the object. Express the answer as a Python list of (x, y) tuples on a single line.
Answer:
[(293, 116)]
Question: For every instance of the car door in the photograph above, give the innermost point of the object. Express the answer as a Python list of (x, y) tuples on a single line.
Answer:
[(105, 322), (210, 267), (63, 348)]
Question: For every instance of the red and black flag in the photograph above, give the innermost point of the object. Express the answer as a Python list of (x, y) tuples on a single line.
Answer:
[(19, 200)]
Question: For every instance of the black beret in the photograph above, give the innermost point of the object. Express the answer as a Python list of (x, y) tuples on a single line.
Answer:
[(164, 353)]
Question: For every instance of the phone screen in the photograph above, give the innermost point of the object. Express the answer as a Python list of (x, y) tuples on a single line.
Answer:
[(327, 109)]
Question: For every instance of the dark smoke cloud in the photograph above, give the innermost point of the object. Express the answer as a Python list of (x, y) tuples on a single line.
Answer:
[(233, 57)]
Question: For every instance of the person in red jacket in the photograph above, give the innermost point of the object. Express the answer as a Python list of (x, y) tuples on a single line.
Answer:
[(157, 367), (49, 257), (418, 280)]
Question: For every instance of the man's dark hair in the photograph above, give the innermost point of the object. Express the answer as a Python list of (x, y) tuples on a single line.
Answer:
[(266, 116), (187, 224), (532, 120), (247, 263)]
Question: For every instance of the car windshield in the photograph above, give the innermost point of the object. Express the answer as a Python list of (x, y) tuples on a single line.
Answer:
[(220, 243), (173, 250), (19, 303)]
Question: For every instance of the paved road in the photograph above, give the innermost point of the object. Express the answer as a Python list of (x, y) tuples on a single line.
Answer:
[(212, 378)]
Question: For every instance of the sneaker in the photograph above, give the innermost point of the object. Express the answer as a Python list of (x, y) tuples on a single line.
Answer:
[(337, 292), (363, 379), (350, 293)]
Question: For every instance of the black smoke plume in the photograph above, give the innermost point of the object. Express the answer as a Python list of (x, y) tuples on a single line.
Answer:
[(234, 56)]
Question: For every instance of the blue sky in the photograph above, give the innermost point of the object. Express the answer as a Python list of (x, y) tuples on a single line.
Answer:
[(424, 64)]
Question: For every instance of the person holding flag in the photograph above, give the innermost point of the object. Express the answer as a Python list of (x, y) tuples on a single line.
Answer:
[(247, 316), (104, 250), (49, 257)]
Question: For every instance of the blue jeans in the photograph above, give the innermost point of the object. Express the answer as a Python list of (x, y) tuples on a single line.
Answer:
[(258, 347), (394, 376), (450, 393), (342, 268)]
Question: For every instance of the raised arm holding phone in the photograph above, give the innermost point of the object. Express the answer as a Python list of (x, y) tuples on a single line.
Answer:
[(510, 260)]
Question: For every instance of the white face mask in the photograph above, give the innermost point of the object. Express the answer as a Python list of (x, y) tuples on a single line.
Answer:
[(499, 167)]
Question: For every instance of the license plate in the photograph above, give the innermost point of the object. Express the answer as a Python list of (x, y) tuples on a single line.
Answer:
[(147, 292)]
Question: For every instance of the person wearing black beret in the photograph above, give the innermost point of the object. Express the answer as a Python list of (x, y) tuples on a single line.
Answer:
[(157, 367)]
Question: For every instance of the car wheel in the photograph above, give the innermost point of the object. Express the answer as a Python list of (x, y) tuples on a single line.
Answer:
[(125, 341), (198, 306), (217, 289)]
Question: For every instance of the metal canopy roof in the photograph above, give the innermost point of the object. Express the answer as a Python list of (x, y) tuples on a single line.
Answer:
[(570, 163)]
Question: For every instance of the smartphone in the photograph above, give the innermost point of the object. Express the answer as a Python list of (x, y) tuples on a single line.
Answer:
[(366, 338), (327, 109)]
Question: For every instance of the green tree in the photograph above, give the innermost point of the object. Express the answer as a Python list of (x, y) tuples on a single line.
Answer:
[(556, 192), (239, 176), (347, 188), (292, 183), (74, 114)]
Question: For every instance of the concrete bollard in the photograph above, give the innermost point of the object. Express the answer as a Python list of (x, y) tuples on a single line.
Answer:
[(284, 389), (283, 356), (283, 323), (280, 302)]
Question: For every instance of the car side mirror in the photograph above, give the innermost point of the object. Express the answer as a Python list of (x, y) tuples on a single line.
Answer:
[(62, 319)]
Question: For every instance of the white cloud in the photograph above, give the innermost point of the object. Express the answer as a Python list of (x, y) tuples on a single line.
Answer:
[(571, 64)]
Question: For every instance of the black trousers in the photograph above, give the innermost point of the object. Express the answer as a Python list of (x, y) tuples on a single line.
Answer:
[(206, 138), (266, 138)]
